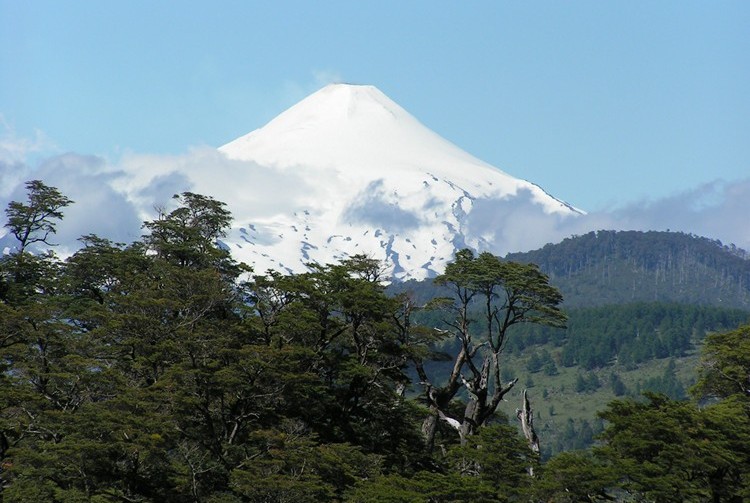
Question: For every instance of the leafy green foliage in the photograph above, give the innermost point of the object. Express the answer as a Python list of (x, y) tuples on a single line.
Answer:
[(423, 487), (573, 477), (149, 372), (586, 383), (162, 371), (725, 368), (674, 451), (508, 294), (497, 456), (618, 387), (35, 221), (666, 384)]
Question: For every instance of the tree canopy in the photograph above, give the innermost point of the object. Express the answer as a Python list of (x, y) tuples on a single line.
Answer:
[(164, 371), (35, 221)]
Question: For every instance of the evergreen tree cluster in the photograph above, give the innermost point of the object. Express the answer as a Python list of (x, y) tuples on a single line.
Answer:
[(628, 334), (615, 267)]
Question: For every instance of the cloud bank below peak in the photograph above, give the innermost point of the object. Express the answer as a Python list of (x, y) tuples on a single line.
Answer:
[(718, 209), (112, 199)]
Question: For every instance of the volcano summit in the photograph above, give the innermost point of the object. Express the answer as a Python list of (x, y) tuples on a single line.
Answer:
[(376, 182)]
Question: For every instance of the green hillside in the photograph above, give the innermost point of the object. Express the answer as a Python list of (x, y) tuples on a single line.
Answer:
[(605, 353), (639, 305), (613, 267)]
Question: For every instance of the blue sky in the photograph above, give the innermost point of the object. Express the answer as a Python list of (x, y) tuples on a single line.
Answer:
[(603, 104)]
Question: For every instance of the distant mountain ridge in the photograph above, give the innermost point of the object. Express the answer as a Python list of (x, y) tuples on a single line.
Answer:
[(616, 267)]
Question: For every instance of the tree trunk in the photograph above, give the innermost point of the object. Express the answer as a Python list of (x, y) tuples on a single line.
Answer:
[(526, 416), (429, 427), (469, 424)]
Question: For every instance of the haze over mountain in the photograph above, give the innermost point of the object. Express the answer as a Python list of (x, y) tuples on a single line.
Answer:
[(377, 182)]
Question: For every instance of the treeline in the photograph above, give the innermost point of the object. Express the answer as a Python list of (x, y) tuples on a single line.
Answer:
[(628, 334), (665, 384), (164, 371)]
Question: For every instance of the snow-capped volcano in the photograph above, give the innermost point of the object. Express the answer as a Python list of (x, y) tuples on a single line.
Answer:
[(376, 181), (360, 134)]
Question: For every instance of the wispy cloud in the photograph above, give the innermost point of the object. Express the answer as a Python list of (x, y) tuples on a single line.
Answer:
[(15, 148), (371, 207), (112, 200), (98, 207), (718, 210), (15, 151), (292, 91), (249, 190), (325, 77)]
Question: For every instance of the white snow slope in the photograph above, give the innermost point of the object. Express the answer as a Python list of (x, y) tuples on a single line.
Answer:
[(357, 174)]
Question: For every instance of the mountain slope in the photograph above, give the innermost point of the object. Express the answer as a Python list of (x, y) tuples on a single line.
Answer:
[(345, 171), (378, 182), (609, 267), (639, 305)]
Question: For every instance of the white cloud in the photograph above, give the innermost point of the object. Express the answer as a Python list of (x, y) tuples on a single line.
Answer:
[(250, 191), (293, 91), (97, 209), (113, 199), (325, 77), (15, 148), (717, 210), (11, 175)]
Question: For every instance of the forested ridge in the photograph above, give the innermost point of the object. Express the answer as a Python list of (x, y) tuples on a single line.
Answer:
[(615, 267), (162, 370)]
